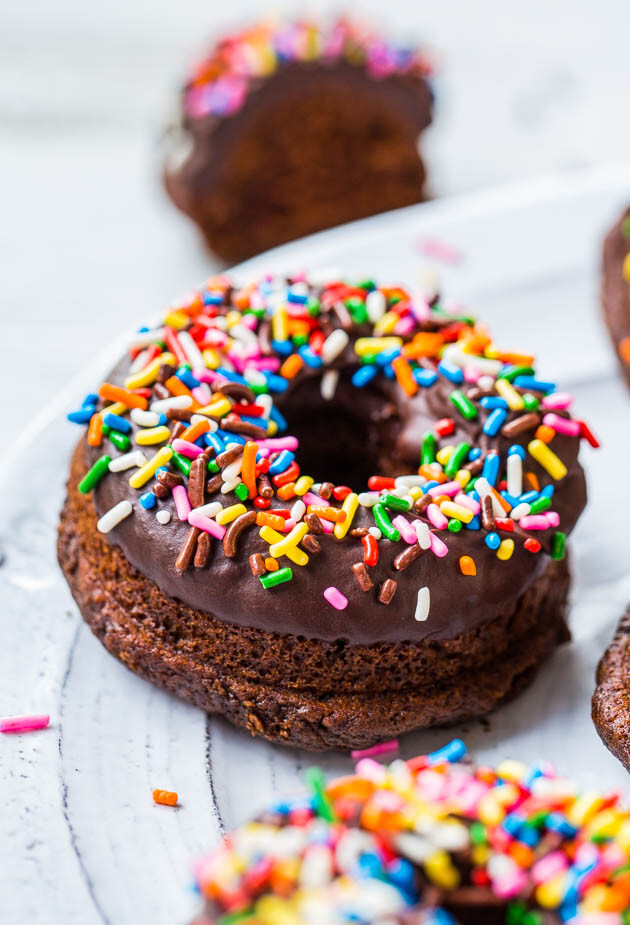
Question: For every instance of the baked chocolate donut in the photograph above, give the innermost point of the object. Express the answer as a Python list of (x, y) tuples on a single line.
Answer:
[(616, 290), (611, 700), (286, 129), (429, 841), (297, 607)]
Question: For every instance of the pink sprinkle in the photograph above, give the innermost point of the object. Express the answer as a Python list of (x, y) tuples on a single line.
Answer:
[(279, 443), (471, 374), (182, 504), (186, 448), (328, 525), (559, 401), (549, 866), (510, 884), (467, 501), (207, 525), (271, 364), (439, 250), (438, 547), (202, 394), (437, 518), (404, 326), (379, 749), (336, 598), (534, 522), (563, 425), (420, 308), (406, 530), (310, 498), (553, 518), (24, 723), (209, 375), (448, 488), (289, 524)]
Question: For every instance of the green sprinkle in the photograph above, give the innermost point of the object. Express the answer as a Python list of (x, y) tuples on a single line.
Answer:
[(455, 525), (238, 918), (456, 459), (313, 306), (394, 503), (540, 504), (557, 545), (384, 524), (95, 474), (478, 833), (300, 339), (625, 227), (213, 467), (181, 462), (463, 404), (357, 309), (258, 388), (276, 578), (120, 441), (367, 284), (106, 430), (530, 401), (241, 491), (429, 443), (511, 374), (321, 804)]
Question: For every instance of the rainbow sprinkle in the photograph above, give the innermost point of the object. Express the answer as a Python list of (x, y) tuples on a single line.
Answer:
[(433, 834)]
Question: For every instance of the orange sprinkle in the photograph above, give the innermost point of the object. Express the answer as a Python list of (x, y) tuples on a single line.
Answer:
[(504, 504), (265, 519), (545, 433), (424, 344), (477, 343), (517, 359), (328, 513), (248, 468), (291, 366), (117, 393), (165, 797), (95, 430), (194, 431), (271, 564), (441, 498), (357, 788), (467, 565), (432, 473), (533, 480), (522, 854), (624, 350), (404, 376), (176, 386), (286, 491)]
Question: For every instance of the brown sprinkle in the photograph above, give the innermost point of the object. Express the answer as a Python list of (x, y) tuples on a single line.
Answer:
[(238, 391), (229, 456), (404, 559), (197, 481), (361, 574), (187, 551), (177, 429), (160, 391), (311, 544), (214, 484), (520, 425), (388, 589), (257, 564), (313, 523), (179, 414), (487, 513), (236, 426), (203, 551), (326, 490), (420, 506), (359, 531), (230, 540), (169, 479), (475, 466), (161, 491), (165, 372), (265, 488)]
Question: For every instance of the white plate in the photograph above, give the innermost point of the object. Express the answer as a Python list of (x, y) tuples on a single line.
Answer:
[(81, 840)]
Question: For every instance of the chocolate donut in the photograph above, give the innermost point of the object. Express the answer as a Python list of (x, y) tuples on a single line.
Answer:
[(616, 290), (611, 699), (429, 841), (240, 568), (286, 129)]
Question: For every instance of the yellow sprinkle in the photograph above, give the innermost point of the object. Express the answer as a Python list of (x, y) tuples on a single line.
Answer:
[(512, 770), (505, 550), (303, 484), (280, 324), (605, 824), (152, 435), (463, 477), (550, 893), (387, 323), (626, 268), (178, 320), (144, 473), (480, 855), (272, 428), (149, 374), (211, 358), (623, 837), (492, 352), (546, 458), (595, 899), (490, 810), (458, 511), (294, 553), (350, 505), (288, 545), (228, 514), (585, 807), (440, 871), (507, 391), (365, 346), (444, 454), (415, 492), (233, 317), (117, 408), (216, 409)]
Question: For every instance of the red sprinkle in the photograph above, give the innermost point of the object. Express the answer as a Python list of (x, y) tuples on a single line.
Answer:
[(261, 503), (588, 435), (289, 475), (341, 491), (505, 523), (444, 427), (532, 545), (379, 482), (370, 547)]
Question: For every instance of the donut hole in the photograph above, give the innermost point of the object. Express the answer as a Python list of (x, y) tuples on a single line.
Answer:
[(344, 440)]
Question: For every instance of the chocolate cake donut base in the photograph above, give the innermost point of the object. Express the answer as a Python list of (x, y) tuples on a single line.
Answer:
[(304, 692), (611, 700), (616, 294)]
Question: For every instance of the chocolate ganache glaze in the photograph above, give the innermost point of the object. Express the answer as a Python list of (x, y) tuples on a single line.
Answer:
[(377, 428)]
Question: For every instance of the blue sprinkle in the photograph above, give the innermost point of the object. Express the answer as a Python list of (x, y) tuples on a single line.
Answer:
[(424, 377), (143, 329), (214, 441), (363, 375), (528, 497), (82, 416), (491, 402), (230, 375), (529, 836), (548, 491), (474, 524), (162, 420), (162, 469), (511, 500), (451, 372), (276, 383), (388, 371), (494, 422), (534, 773), (452, 752), (386, 356), (475, 453), (278, 418), (311, 359), (91, 399), (298, 298), (282, 347), (402, 873), (556, 822), (512, 823), (428, 485), (440, 917), (231, 438), (516, 450), (117, 423), (493, 541), (212, 298), (474, 494), (184, 375), (258, 422), (369, 863), (281, 462), (490, 469), (148, 500), (537, 385)]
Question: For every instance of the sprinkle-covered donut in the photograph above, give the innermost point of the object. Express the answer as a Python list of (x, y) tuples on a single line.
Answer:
[(430, 841), (286, 128), (332, 512), (616, 289)]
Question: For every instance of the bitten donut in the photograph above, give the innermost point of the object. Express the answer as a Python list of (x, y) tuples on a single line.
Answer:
[(331, 512), (288, 128), (429, 841), (616, 290)]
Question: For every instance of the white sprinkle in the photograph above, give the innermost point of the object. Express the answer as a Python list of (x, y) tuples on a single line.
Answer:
[(230, 472), (191, 350), (177, 401), (209, 510), (324, 276), (334, 344), (375, 305), (254, 377), (483, 488), (266, 403), (514, 475), (521, 510), (328, 385), (139, 362), (300, 289), (485, 382), (423, 533), (144, 338), (227, 487), (423, 605), (409, 481), (376, 533), (298, 510), (145, 418), (163, 516), (128, 461), (368, 498), (114, 516), (491, 368)]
